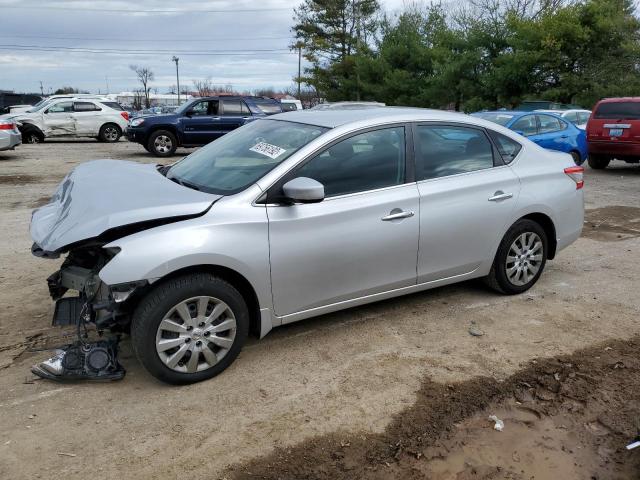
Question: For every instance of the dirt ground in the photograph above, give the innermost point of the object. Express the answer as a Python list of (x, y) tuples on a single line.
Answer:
[(398, 389)]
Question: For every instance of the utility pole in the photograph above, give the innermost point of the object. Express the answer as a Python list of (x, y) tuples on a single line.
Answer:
[(41, 89), (106, 80), (299, 65), (176, 59)]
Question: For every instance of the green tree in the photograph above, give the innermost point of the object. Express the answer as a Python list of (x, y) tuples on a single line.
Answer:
[(331, 34)]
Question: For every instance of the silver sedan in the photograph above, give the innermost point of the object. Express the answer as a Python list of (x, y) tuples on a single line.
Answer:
[(298, 215)]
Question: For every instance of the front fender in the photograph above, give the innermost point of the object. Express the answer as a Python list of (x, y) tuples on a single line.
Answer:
[(211, 240)]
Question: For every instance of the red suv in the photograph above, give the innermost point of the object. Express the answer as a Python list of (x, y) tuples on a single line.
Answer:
[(613, 131)]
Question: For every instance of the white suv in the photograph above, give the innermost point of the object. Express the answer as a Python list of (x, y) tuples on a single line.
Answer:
[(75, 117)]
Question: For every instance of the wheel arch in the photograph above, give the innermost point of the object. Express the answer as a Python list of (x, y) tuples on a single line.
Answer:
[(549, 229), (26, 126), (236, 279)]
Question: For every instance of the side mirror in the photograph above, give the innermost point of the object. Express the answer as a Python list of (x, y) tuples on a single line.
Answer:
[(304, 190)]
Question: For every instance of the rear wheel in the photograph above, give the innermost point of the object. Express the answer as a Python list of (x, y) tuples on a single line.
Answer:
[(190, 328), (162, 143), (520, 258), (577, 158), (598, 162), (109, 133)]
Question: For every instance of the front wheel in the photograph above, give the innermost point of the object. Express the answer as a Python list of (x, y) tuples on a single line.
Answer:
[(162, 143), (520, 258), (31, 136), (190, 328), (598, 162)]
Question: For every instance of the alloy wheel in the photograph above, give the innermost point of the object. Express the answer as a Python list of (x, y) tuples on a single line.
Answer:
[(524, 258), (195, 334), (163, 144), (111, 134)]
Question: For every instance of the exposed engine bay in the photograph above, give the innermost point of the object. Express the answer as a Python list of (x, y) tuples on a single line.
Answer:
[(97, 305)]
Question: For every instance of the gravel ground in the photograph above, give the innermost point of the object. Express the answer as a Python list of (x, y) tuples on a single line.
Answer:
[(351, 373)]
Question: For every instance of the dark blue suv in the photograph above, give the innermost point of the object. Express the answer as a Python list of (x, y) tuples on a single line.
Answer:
[(197, 122)]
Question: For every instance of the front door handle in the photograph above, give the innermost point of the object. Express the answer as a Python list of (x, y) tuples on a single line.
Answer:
[(397, 214), (499, 196)]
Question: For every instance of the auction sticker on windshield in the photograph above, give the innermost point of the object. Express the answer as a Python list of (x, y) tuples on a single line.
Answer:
[(271, 151)]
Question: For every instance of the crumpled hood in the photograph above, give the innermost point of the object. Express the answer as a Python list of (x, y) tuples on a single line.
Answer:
[(104, 194)]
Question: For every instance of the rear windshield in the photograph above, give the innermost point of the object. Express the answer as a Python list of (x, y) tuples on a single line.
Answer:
[(267, 106), (618, 111), (114, 105), (499, 118)]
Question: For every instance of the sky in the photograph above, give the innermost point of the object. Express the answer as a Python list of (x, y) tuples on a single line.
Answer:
[(90, 44)]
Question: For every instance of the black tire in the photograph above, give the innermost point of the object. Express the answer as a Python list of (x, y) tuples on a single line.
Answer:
[(577, 158), (598, 162), (162, 143), (161, 300), (498, 278), (109, 133), (32, 135)]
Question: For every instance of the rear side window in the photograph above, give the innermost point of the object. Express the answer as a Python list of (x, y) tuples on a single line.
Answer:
[(548, 124), (449, 150), (267, 106), (367, 161), (234, 107), (288, 107), (114, 105), (85, 107), (507, 147), (527, 125), (618, 111)]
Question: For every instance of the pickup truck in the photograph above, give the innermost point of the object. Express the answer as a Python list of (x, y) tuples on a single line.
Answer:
[(197, 122)]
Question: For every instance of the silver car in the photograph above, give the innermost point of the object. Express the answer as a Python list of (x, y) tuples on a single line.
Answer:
[(298, 215), (10, 136)]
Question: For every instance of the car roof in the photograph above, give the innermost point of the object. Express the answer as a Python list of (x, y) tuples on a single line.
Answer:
[(335, 118), (620, 99)]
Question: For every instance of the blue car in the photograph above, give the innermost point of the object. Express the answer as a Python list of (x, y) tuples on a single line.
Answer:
[(197, 122), (546, 129)]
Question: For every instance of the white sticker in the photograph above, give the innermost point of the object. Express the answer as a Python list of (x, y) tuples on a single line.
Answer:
[(271, 151)]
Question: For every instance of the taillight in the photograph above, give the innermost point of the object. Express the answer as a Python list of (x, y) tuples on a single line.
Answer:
[(7, 126), (125, 115), (577, 175)]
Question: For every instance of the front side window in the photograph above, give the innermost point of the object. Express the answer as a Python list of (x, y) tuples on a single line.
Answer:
[(495, 117), (549, 124), (243, 156), (363, 162), (449, 150), (267, 106), (204, 109), (507, 147), (61, 107), (526, 125)]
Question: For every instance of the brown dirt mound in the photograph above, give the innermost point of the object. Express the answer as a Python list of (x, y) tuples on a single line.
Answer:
[(567, 417)]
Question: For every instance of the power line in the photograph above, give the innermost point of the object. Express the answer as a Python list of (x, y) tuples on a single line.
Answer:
[(127, 11), (154, 40), (118, 51)]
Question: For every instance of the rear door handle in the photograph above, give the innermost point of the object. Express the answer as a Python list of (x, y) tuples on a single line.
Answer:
[(499, 196), (397, 214)]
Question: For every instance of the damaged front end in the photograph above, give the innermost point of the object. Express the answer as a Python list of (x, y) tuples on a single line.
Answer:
[(84, 300), (108, 307)]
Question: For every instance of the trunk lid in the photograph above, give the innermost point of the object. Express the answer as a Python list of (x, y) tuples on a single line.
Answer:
[(100, 195)]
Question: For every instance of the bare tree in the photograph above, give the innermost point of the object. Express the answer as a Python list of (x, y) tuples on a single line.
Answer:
[(145, 77), (206, 88)]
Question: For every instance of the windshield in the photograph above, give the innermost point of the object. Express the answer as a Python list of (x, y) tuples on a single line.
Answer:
[(499, 118), (40, 105), (238, 159)]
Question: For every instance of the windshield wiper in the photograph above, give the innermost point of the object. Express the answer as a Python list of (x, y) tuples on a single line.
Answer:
[(190, 185)]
